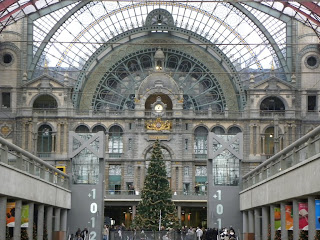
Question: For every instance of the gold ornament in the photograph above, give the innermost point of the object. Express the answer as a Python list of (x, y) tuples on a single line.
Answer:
[(158, 125)]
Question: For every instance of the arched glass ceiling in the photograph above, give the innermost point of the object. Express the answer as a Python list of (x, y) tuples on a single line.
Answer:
[(238, 36)]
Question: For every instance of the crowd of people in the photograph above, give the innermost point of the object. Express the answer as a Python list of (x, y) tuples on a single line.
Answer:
[(185, 233)]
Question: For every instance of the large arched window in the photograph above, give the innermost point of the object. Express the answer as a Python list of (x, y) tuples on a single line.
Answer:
[(45, 102), (272, 105), (200, 142), (218, 130), (115, 142), (234, 130), (82, 129), (44, 143), (99, 128)]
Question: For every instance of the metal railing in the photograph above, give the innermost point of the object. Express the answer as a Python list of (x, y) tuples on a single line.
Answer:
[(137, 193), (151, 235), (300, 150), (22, 160)]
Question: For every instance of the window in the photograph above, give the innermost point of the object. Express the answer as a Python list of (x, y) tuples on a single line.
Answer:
[(99, 128), (200, 187), (114, 179), (200, 143), (272, 104), (82, 129), (186, 144), (234, 130), (6, 100), (44, 143), (45, 102), (115, 141), (312, 103), (186, 171), (269, 141), (130, 144), (186, 188), (218, 130)]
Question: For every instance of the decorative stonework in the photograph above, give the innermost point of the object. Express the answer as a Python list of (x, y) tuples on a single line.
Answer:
[(158, 125), (5, 130)]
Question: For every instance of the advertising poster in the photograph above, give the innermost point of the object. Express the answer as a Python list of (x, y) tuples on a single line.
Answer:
[(317, 214), (303, 216), (289, 217), (10, 214), (24, 216), (277, 218)]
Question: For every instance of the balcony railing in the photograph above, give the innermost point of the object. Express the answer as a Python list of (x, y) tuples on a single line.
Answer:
[(18, 158), (299, 151), (138, 193)]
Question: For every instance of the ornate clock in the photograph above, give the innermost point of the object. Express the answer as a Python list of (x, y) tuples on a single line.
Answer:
[(158, 107)]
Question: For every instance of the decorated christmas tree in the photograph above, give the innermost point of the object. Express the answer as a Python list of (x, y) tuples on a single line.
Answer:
[(35, 232), (317, 236), (156, 207)]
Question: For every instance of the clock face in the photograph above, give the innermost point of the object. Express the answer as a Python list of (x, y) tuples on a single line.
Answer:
[(158, 108)]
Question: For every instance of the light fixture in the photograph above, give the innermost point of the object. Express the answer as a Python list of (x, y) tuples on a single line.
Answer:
[(271, 135)]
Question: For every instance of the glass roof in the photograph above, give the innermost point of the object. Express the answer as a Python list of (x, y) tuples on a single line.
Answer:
[(307, 12), (239, 37)]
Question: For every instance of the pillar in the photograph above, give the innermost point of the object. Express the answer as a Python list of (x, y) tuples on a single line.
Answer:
[(30, 225), (3, 221), (311, 217), (251, 221), (295, 209), (48, 216), (63, 223), (134, 210), (245, 226), (257, 227), (65, 136), (284, 231), (40, 222), (265, 223), (179, 214), (272, 226), (17, 221), (58, 137), (57, 219)]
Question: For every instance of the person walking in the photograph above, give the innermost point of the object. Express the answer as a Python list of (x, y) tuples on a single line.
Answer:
[(105, 232), (199, 233)]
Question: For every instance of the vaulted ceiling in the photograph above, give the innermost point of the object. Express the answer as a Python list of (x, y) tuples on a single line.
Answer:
[(307, 12)]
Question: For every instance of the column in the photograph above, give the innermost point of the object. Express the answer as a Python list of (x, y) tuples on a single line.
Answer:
[(179, 214), (134, 210), (40, 222), (23, 136), (65, 136), (17, 221), (30, 133), (251, 138), (58, 138), (245, 227), (284, 231), (263, 145), (30, 225), (257, 232), (265, 222), (311, 218), (63, 223), (251, 221), (295, 209), (57, 219), (3, 222), (49, 215), (272, 227)]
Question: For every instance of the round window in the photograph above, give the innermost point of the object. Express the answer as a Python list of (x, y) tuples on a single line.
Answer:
[(312, 61), (7, 58)]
